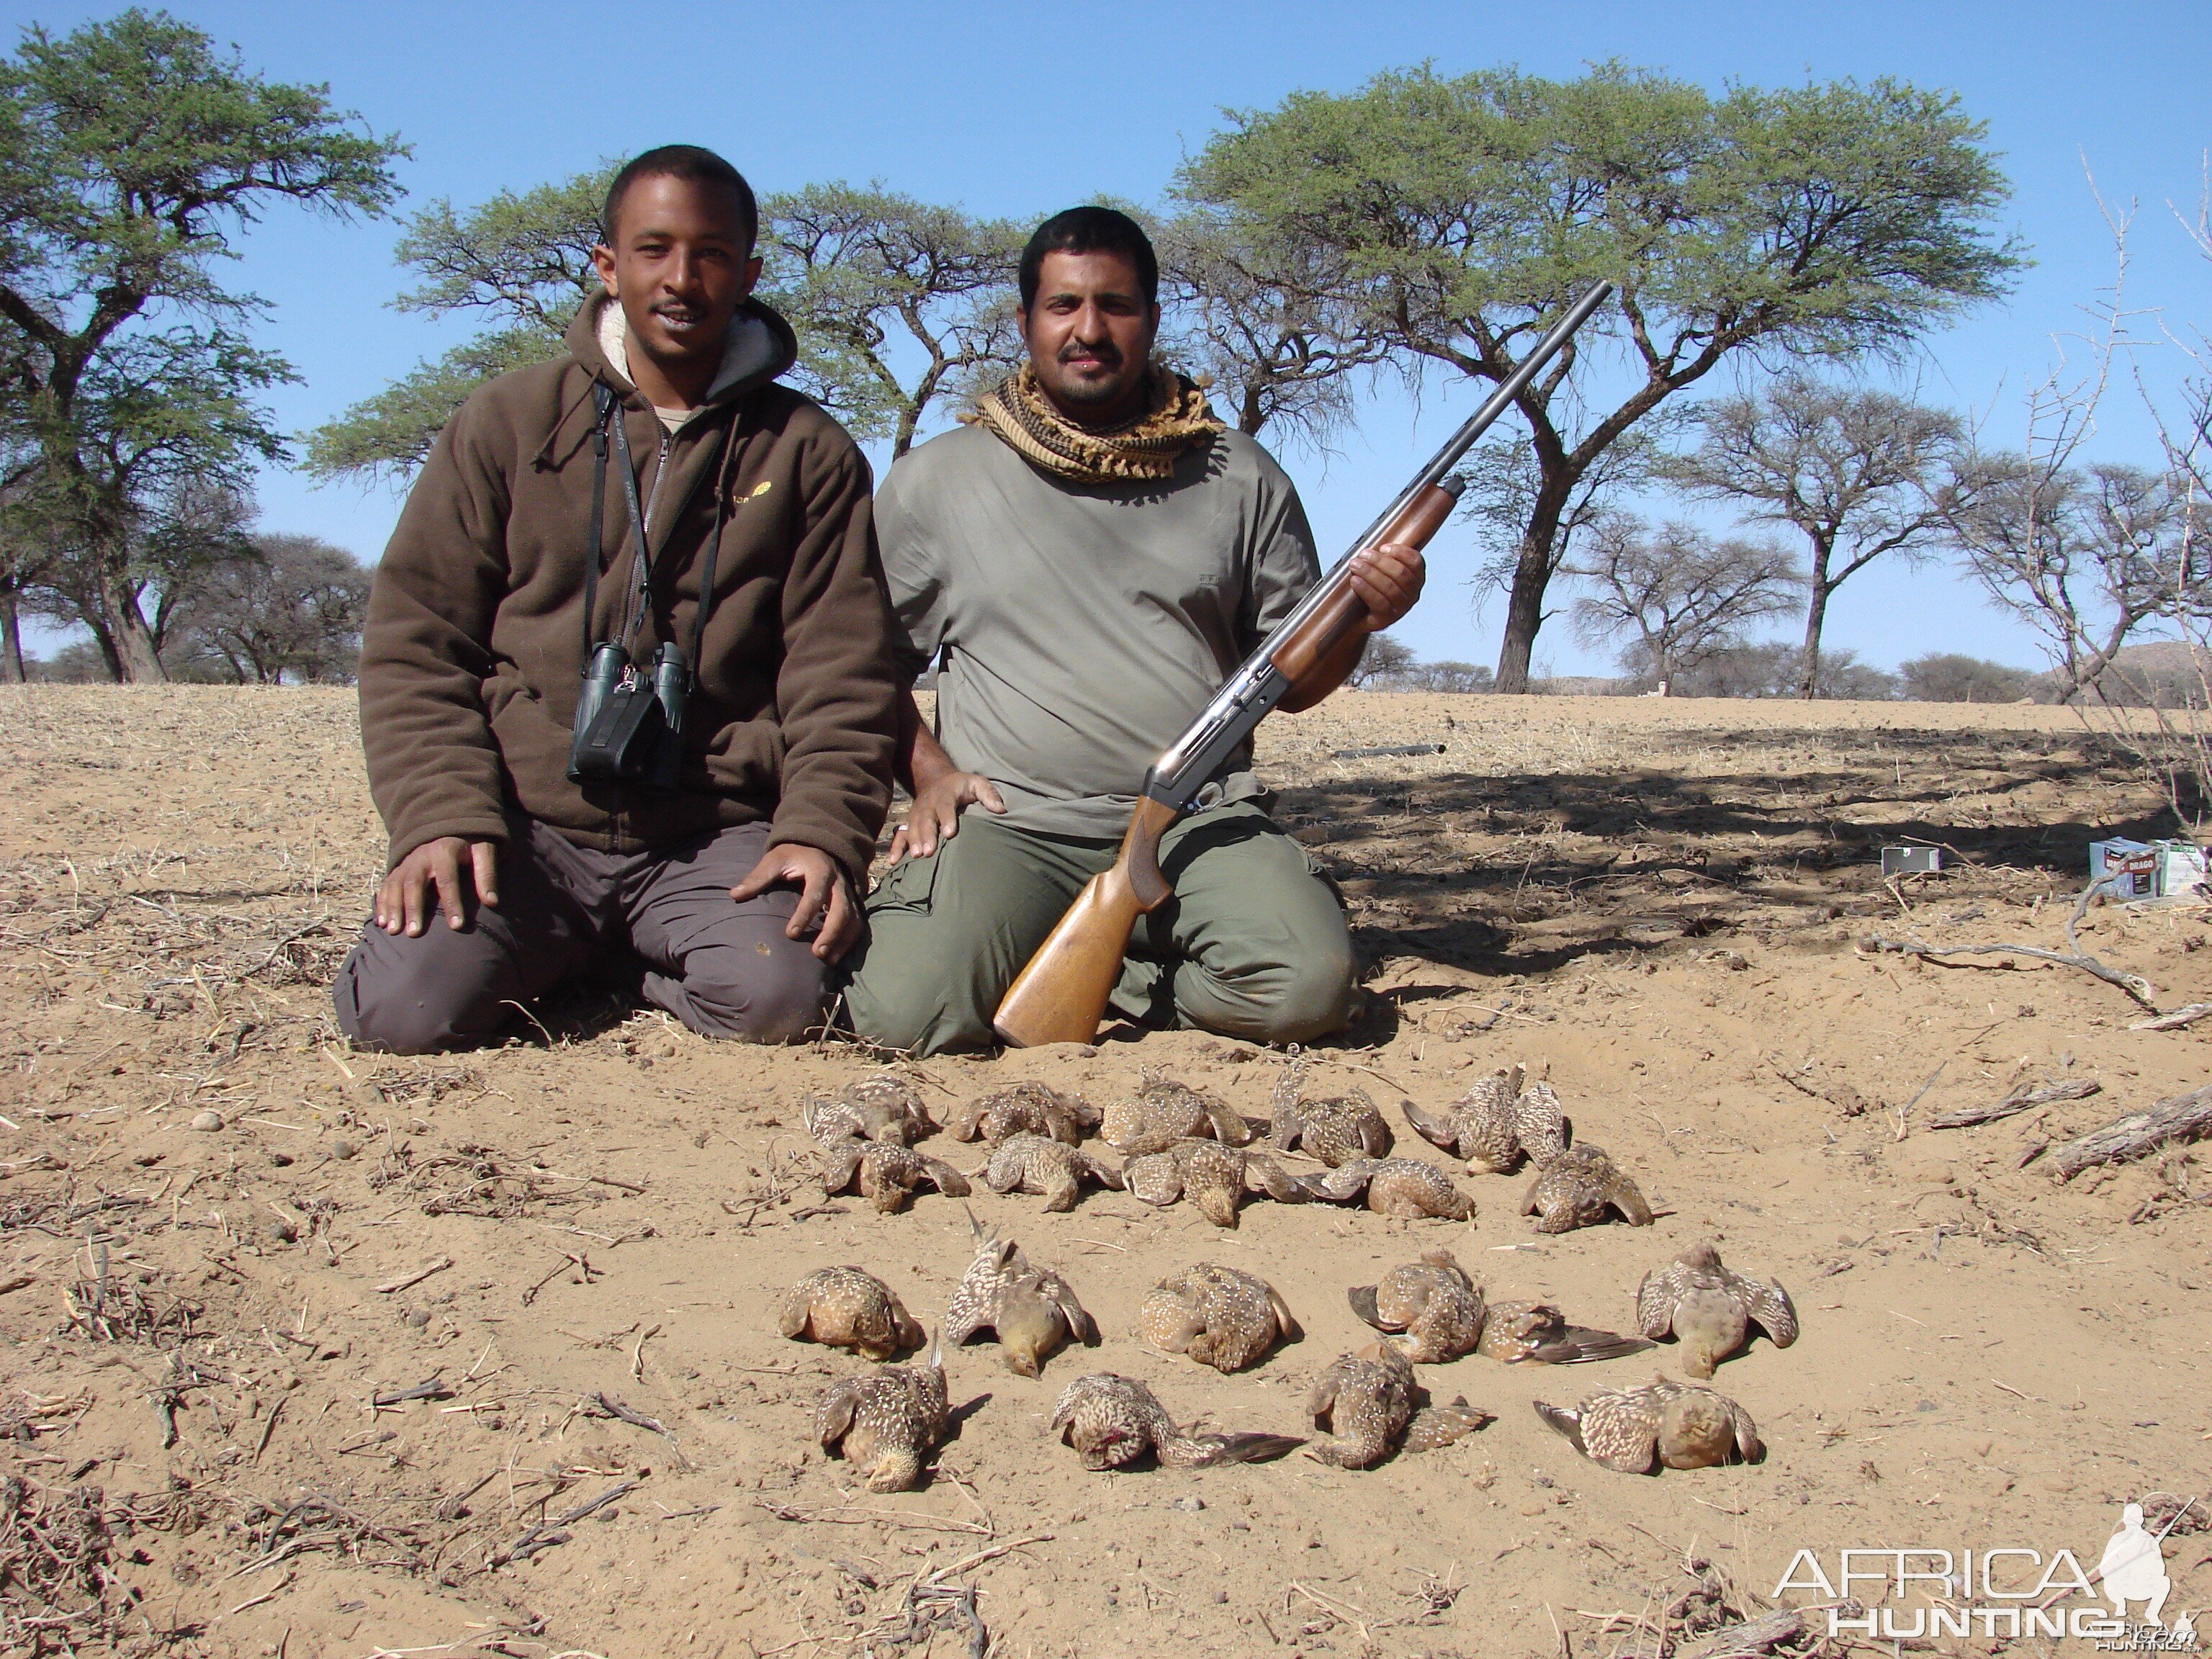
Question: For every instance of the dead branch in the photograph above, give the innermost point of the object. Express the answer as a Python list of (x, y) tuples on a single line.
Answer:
[(546, 1533), (2075, 957), (2024, 1098), (415, 1278), (2182, 1118), (2188, 1015), (621, 1414)]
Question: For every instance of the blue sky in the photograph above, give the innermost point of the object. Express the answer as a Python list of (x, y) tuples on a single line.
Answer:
[(1022, 109)]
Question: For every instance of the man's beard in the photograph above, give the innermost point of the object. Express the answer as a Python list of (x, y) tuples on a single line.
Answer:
[(1088, 393)]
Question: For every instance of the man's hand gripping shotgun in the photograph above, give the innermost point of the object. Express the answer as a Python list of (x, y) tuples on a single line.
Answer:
[(1060, 996)]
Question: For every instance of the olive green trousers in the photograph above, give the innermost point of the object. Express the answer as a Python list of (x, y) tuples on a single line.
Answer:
[(1252, 944)]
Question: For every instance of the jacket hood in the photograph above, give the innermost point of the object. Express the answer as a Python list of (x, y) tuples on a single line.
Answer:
[(759, 348)]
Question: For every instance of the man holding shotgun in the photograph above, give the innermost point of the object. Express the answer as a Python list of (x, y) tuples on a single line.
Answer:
[(1087, 562)]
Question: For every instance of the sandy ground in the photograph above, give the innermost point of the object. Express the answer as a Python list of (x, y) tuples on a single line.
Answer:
[(1655, 904)]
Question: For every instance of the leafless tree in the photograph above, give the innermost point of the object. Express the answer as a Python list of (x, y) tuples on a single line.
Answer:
[(1384, 660), (2085, 556), (1254, 314), (1863, 475), (1678, 594), (295, 608)]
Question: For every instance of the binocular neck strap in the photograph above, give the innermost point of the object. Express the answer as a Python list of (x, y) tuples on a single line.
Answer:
[(640, 600), (605, 400)]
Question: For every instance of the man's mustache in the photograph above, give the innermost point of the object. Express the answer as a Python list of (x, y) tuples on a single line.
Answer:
[(1108, 353)]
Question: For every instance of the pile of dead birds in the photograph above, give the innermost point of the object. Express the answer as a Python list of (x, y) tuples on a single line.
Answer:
[(1176, 1144)]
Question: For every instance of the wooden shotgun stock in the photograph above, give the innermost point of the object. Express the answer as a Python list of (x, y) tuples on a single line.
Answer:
[(1060, 995)]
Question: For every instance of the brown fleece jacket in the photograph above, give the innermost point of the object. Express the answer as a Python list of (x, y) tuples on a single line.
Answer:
[(472, 657)]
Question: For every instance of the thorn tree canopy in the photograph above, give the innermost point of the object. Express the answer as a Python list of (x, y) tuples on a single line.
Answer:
[(526, 259), (896, 302), (1466, 212), (131, 152)]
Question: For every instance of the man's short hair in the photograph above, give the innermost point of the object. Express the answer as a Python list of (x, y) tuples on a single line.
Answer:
[(1091, 230), (693, 164)]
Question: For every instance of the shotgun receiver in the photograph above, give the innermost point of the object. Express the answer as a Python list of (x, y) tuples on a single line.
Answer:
[(1060, 995)]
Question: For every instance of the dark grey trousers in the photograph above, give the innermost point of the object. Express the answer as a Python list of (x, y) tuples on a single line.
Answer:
[(722, 968)]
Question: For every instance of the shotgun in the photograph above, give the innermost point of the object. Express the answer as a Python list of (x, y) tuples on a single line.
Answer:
[(1060, 995)]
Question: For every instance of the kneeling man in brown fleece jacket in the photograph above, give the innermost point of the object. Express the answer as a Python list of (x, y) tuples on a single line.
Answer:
[(724, 855)]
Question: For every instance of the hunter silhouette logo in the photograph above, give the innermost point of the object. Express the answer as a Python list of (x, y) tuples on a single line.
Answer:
[(1893, 1595), (2133, 1568)]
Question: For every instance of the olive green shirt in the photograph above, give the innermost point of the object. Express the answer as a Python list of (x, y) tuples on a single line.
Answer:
[(1079, 629)]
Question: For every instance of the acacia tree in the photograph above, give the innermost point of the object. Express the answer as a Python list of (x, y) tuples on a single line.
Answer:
[(524, 260), (131, 153), (295, 606), (1465, 213), (2085, 557), (1861, 475), (1681, 596), (897, 303)]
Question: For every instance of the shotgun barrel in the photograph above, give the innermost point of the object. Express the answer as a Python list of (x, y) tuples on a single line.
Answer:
[(1059, 996)]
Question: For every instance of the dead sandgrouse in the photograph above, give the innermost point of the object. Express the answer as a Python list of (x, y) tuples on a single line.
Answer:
[(1496, 1124), (848, 1308), (882, 1106), (886, 1173), (1711, 1308), (1218, 1317), (1213, 1176), (1371, 1407), (1406, 1188), (1023, 1108), (1164, 1111), (1681, 1426), (1032, 1310), (1334, 1130), (1537, 1333), (1576, 1188), (887, 1421), (1034, 1163), (1112, 1421)]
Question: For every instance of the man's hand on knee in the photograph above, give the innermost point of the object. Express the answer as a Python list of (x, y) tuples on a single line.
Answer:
[(826, 906), (936, 814), (452, 866)]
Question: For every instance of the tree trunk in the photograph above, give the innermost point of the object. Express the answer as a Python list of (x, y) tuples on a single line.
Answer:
[(136, 653), (1524, 608), (11, 641), (1816, 611)]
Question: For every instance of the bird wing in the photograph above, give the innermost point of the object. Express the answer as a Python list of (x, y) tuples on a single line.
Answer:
[(1286, 1327), (834, 1417), (1655, 1303), (1154, 1178), (839, 1165), (1106, 1175), (1770, 1304), (1621, 1430), (1263, 1174), (1362, 1298), (1748, 1443), (1342, 1184), (975, 1303), (950, 1180), (1578, 1345), (967, 1122), (1230, 1127), (1628, 1197), (1539, 1122), (1061, 1295), (798, 1307), (1321, 1399), (1437, 1129), (1565, 1421)]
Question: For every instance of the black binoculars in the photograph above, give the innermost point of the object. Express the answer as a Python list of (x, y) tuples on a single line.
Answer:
[(629, 729)]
